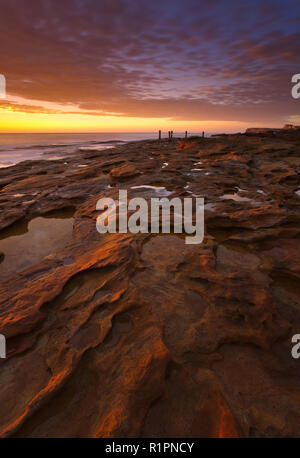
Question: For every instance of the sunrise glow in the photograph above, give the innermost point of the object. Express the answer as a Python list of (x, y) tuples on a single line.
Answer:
[(11, 121)]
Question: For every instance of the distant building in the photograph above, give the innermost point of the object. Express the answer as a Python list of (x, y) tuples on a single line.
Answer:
[(291, 126)]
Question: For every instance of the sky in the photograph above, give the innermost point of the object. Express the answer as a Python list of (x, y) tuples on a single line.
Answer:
[(137, 65)]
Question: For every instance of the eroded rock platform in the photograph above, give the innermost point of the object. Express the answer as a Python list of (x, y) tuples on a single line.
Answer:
[(123, 335)]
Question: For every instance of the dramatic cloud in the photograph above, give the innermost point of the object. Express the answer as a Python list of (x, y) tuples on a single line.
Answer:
[(192, 60)]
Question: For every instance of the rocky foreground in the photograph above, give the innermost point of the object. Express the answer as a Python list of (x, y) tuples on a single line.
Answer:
[(142, 335)]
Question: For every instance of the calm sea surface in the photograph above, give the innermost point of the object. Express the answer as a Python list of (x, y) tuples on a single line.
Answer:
[(15, 148), (20, 147)]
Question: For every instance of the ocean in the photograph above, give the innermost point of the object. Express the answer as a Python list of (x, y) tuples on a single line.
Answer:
[(15, 148)]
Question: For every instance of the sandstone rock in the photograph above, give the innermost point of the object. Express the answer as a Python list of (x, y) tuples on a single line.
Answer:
[(125, 171)]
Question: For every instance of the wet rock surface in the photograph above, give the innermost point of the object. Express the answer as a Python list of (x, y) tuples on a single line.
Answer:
[(141, 334)]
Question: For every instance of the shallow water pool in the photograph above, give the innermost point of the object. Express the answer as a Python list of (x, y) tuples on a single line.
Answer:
[(24, 244)]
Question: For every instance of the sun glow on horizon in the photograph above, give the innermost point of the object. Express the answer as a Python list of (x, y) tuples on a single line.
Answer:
[(21, 122)]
